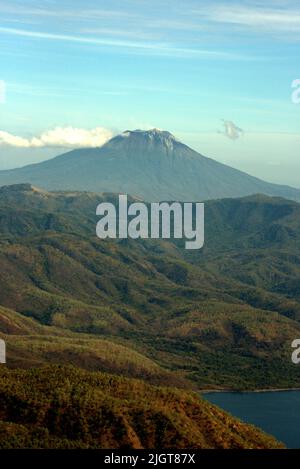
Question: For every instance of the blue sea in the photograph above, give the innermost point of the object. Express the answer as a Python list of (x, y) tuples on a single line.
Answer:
[(277, 413)]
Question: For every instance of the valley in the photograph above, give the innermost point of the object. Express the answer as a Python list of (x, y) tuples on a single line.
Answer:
[(211, 318)]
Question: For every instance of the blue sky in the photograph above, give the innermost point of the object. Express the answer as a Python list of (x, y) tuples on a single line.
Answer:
[(102, 67)]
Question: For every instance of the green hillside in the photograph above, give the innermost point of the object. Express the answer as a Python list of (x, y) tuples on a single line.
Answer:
[(223, 316), (63, 407)]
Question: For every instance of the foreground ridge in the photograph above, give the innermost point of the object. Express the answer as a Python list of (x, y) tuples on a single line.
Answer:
[(64, 407)]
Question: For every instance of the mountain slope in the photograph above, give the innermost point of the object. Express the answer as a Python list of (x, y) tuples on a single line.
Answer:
[(152, 165), (62, 407), (30, 343), (223, 316)]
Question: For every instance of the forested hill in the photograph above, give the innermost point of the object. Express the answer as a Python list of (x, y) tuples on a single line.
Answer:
[(223, 316)]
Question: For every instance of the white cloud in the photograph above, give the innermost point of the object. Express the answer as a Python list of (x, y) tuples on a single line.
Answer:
[(67, 137), (231, 130)]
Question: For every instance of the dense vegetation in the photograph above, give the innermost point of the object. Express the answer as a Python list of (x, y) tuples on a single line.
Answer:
[(221, 317), (64, 407)]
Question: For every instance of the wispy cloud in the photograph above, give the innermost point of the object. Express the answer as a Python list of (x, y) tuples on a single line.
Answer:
[(59, 92), (55, 11), (66, 137), (259, 17), (178, 16), (157, 48)]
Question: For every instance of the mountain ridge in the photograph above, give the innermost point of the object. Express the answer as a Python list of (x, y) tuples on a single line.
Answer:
[(232, 308), (65, 407)]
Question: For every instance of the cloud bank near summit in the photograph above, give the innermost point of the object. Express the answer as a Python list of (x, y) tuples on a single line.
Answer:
[(66, 137)]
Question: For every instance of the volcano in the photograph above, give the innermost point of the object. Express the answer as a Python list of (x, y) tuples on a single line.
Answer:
[(152, 165)]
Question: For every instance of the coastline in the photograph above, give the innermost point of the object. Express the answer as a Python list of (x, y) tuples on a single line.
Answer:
[(244, 391)]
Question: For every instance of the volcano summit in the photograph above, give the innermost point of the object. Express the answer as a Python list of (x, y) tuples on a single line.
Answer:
[(152, 165)]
